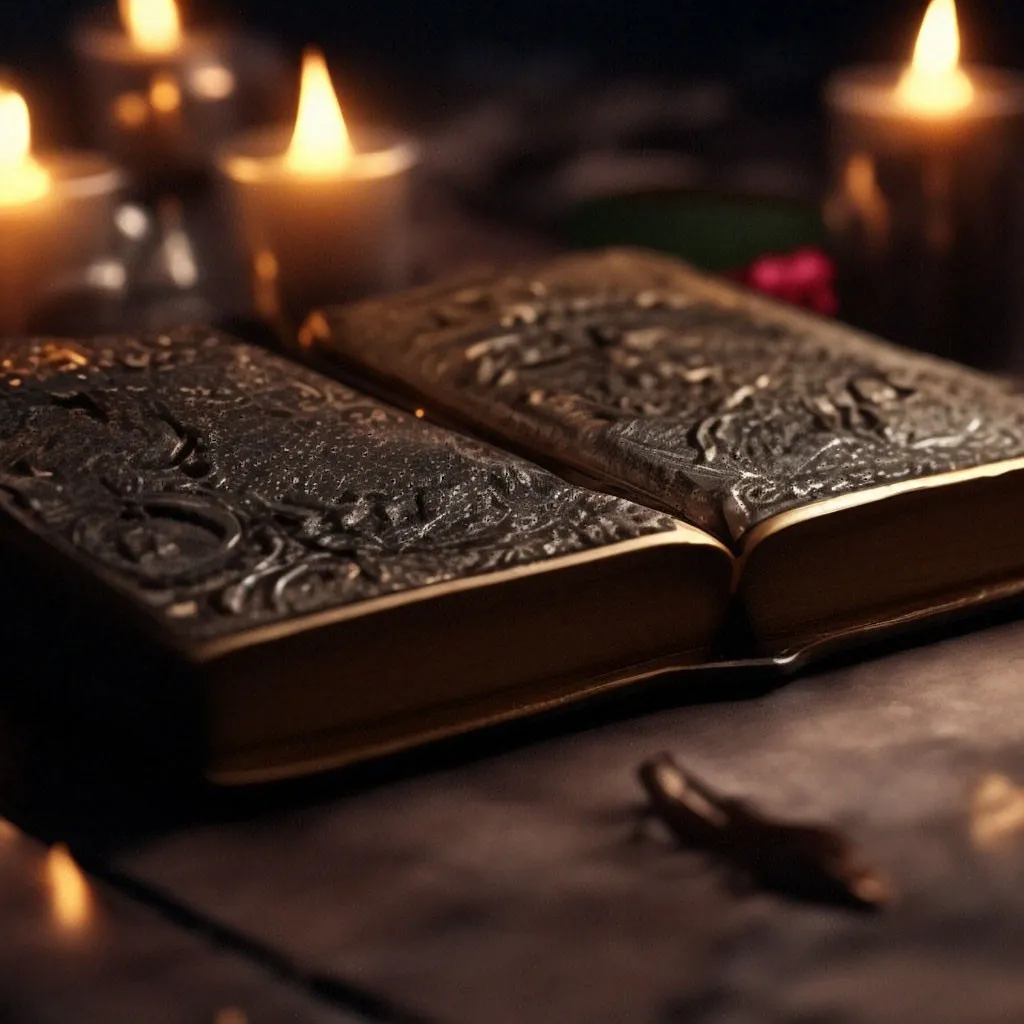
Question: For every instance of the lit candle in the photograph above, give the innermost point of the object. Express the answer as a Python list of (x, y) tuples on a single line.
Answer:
[(163, 97), (927, 198), (56, 215), (70, 896), (323, 213)]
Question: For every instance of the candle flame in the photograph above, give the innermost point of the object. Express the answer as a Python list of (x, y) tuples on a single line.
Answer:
[(938, 43), (154, 26), (320, 143), (70, 898), (935, 82), (21, 178)]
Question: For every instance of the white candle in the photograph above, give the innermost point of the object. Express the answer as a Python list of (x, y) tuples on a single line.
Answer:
[(56, 215), (324, 215), (162, 97), (926, 204)]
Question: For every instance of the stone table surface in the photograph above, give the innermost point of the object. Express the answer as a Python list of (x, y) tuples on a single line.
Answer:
[(509, 881)]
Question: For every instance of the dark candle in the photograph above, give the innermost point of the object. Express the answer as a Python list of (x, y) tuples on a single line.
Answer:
[(926, 205)]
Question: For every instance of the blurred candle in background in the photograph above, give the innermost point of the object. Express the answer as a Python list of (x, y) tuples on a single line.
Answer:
[(56, 215), (69, 892), (162, 95), (926, 204), (324, 214)]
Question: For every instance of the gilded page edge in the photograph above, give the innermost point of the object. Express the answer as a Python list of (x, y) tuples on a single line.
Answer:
[(681, 534), (784, 520)]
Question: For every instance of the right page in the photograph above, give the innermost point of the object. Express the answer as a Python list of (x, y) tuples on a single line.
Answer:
[(675, 389), (865, 488)]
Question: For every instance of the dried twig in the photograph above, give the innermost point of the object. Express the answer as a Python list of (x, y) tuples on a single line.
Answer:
[(810, 861)]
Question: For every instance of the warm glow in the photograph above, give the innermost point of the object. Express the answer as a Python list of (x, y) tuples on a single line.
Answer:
[(938, 43), (70, 898), (212, 82), (164, 93), (315, 327), (231, 1015), (131, 110), (935, 83), (266, 265), (865, 197), (21, 178), (320, 144), (997, 812), (152, 25), (265, 272)]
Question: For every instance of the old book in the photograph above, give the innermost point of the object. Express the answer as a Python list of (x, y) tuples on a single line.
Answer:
[(859, 488), (234, 546), (298, 575)]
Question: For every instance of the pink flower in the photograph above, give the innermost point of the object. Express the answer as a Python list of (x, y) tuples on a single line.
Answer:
[(803, 278)]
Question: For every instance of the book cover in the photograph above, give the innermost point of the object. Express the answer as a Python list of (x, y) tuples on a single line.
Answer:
[(335, 575)]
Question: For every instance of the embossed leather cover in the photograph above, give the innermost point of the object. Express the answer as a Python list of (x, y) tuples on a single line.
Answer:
[(221, 489), (675, 389)]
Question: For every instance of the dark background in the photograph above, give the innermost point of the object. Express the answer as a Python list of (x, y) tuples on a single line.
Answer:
[(792, 40), (421, 61)]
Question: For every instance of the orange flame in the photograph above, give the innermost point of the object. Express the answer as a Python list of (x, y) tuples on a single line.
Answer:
[(21, 178), (935, 83), (70, 898), (320, 143), (154, 26)]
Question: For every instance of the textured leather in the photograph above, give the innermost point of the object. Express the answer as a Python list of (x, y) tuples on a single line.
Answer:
[(221, 487), (676, 389)]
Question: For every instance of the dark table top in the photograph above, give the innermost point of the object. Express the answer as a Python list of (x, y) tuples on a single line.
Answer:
[(510, 881), (77, 950)]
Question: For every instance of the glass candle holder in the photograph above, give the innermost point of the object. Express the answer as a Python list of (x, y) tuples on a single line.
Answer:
[(319, 239), (162, 115), (926, 215), (50, 239)]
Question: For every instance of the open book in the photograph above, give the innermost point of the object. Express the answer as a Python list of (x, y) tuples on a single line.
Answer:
[(320, 577), (857, 486), (299, 575)]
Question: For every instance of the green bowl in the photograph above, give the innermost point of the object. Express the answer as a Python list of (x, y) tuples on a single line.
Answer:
[(714, 232)]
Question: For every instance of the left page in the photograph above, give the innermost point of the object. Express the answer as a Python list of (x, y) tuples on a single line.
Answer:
[(327, 560)]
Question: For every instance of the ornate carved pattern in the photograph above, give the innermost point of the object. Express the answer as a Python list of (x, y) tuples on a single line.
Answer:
[(694, 396), (222, 487)]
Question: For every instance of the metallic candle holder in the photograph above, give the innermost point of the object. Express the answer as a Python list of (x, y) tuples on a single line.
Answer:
[(926, 214), (163, 111)]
